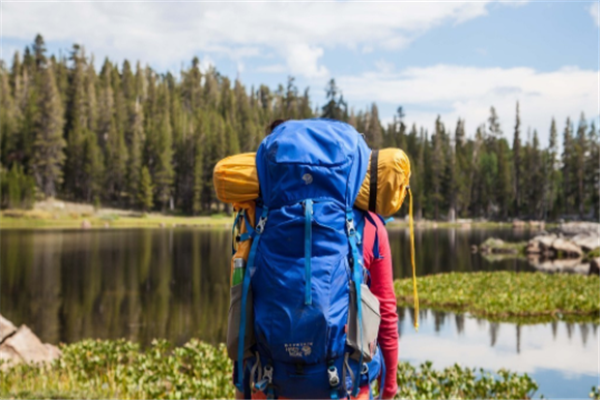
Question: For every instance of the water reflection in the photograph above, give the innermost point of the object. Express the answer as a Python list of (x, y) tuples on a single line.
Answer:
[(140, 284), (445, 250), (561, 357), (172, 283)]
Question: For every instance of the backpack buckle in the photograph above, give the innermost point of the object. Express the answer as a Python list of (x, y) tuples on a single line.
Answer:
[(268, 373), (350, 227), (260, 226), (334, 378)]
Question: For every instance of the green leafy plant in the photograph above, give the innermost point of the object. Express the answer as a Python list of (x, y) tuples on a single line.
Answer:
[(120, 369), (507, 296)]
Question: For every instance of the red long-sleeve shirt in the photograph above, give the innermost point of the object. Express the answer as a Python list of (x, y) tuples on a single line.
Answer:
[(382, 286)]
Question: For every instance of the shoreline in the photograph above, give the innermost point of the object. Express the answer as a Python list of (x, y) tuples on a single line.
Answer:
[(121, 219)]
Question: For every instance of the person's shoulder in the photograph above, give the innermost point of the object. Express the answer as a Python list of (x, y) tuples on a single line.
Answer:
[(376, 219)]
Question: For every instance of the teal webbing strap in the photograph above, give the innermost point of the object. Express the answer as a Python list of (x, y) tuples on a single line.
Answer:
[(246, 285), (308, 211), (357, 278)]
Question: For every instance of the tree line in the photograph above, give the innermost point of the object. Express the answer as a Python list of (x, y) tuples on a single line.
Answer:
[(128, 136)]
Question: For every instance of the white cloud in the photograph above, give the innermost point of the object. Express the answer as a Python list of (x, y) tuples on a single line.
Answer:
[(595, 13), (468, 92), (273, 68), (164, 34), (303, 59)]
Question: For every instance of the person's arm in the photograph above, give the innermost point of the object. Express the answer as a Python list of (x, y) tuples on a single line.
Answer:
[(382, 286)]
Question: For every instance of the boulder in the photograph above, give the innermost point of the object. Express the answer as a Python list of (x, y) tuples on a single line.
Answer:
[(518, 224), (567, 247), (6, 328), (86, 224), (575, 228), (29, 347), (545, 242), (563, 265), (537, 225), (586, 241), (533, 247), (22, 345)]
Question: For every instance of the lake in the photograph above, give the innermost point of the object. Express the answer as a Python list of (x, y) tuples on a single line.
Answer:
[(173, 283)]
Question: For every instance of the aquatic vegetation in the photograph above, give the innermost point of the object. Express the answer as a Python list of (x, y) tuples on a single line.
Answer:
[(457, 382), (120, 369), (507, 296)]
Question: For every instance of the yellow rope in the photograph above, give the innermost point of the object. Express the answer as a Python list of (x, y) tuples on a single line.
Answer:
[(412, 259)]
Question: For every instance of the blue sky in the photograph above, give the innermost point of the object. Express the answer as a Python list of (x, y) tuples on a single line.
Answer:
[(449, 58)]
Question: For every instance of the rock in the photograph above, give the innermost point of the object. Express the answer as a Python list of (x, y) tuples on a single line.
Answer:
[(518, 224), (106, 225), (162, 225), (86, 224), (498, 246), (22, 345), (537, 225), (28, 347), (6, 328), (533, 247), (9, 357), (586, 241), (465, 225), (575, 228), (545, 241), (563, 265), (53, 351), (567, 247)]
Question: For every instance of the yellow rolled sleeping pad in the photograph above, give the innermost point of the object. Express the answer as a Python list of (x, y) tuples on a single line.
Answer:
[(236, 181)]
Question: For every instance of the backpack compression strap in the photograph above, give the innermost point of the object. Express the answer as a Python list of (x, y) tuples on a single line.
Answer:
[(256, 234), (357, 278)]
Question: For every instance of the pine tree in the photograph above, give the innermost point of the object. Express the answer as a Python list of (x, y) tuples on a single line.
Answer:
[(9, 119), (568, 174), (76, 125), (551, 175), (332, 108), (134, 165), (163, 169), (144, 194), (517, 162), (47, 152), (373, 131), (438, 165), (93, 168), (580, 155), (592, 174)]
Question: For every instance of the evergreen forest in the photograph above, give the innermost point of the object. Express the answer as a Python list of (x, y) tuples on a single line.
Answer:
[(131, 137)]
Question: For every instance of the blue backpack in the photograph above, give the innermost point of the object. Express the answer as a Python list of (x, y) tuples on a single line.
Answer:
[(314, 324)]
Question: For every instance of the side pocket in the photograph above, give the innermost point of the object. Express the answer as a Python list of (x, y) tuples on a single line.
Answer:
[(371, 318), (233, 323)]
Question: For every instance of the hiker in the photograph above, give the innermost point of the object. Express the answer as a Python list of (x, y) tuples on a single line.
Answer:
[(313, 310)]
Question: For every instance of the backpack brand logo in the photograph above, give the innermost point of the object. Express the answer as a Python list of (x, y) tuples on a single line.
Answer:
[(307, 178), (298, 349)]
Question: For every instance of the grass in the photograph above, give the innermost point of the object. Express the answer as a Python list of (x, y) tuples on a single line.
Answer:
[(36, 219), (508, 296), (118, 369)]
